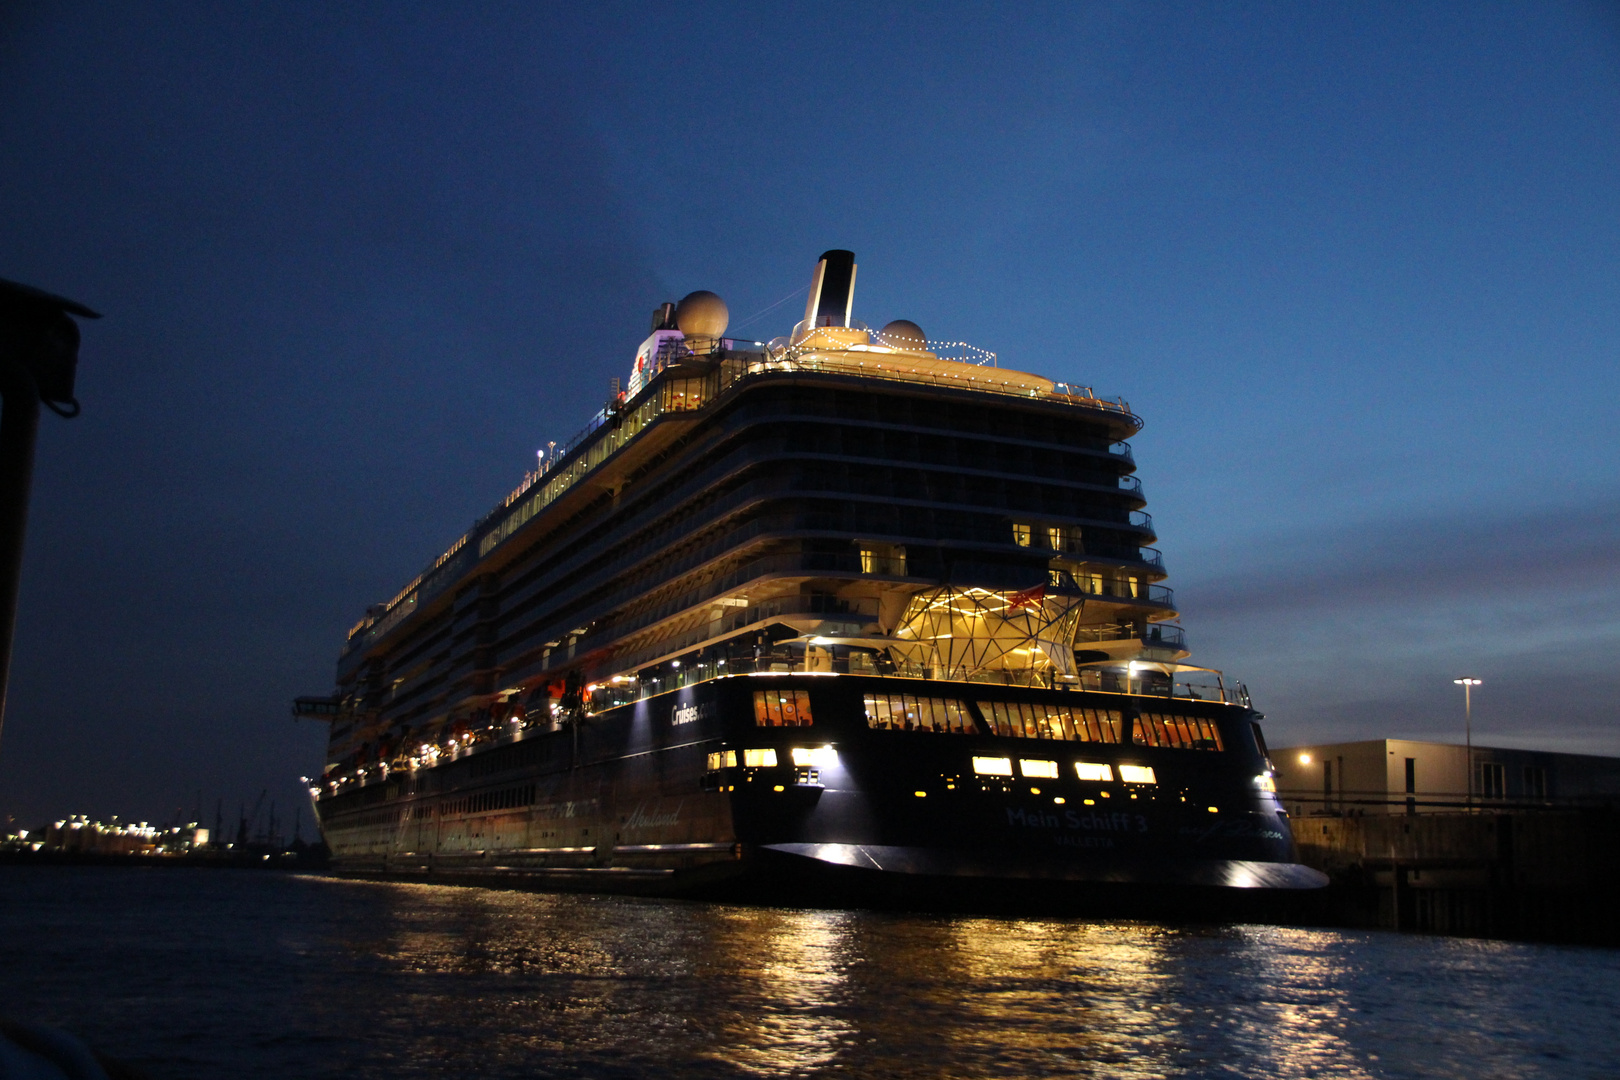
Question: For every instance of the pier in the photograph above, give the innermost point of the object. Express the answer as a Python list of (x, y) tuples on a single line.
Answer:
[(1538, 875)]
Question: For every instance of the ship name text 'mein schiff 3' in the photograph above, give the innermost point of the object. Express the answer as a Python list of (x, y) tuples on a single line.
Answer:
[(848, 615)]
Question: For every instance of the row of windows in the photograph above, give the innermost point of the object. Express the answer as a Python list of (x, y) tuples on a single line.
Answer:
[(782, 708), (1014, 719), (1035, 769), (1066, 722), (1490, 781), (376, 817), (754, 759), (906, 712), (1178, 732), (507, 799)]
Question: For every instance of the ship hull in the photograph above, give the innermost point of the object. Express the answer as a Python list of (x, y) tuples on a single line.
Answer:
[(696, 793)]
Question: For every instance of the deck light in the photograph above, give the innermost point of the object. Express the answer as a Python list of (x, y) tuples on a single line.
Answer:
[(1304, 759), (819, 756)]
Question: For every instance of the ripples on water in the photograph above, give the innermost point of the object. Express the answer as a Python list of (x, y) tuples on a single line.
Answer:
[(194, 973)]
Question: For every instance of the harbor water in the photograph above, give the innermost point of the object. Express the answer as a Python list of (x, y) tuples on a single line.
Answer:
[(190, 973)]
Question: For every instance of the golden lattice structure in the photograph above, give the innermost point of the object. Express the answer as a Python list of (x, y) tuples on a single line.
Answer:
[(958, 632)]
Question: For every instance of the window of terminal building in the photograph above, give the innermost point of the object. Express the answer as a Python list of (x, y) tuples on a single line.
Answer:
[(1491, 780), (905, 712), (782, 708), (1177, 732), (1535, 782), (1022, 720)]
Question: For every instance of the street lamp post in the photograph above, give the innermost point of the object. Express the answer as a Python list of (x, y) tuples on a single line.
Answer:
[(1468, 721)]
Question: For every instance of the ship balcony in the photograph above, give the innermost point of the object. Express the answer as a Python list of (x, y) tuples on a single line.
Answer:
[(1113, 556), (1126, 592), (1126, 642)]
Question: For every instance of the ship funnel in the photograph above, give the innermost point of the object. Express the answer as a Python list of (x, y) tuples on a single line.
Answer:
[(832, 290)]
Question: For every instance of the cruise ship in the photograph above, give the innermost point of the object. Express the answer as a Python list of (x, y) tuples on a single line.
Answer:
[(847, 615)]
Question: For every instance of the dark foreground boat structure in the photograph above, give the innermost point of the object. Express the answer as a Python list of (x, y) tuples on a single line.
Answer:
[(846, 616)]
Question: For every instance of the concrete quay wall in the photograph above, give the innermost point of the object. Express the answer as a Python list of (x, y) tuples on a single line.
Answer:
[(1533, 875)]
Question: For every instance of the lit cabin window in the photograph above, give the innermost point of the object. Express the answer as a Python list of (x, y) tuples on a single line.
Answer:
[(1177, 732), (760, 759), (1093, 770), (1046, 770), (992, 766), (1137, 774), (1021, 535), (1070, 723), (782, 708), (904, 712), (722, 760), (883, 559)]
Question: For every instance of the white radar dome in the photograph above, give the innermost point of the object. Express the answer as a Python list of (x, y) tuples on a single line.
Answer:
[(702, 315), (903, 334)]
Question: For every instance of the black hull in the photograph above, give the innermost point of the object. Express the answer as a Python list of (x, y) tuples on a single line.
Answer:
[(790, 881), (631, 802)]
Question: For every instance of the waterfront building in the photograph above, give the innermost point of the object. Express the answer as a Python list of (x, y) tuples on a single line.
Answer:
[(1406, 776)]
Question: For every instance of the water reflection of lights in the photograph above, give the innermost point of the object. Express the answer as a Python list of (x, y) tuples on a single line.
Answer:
[(1297, 1026), (516, 983), (800, 971), (1068, 996)]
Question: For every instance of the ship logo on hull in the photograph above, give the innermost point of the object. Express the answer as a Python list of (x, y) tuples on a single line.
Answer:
[(640, 819), (1091, 821)]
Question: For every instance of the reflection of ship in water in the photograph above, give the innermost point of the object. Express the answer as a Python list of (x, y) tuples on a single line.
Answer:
[(849, 609)]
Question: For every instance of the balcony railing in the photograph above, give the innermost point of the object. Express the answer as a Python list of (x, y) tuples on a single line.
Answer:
[(1113, 590), (1173, 637)]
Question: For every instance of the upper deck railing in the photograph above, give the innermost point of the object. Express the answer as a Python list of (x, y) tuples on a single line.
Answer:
[(671, 390)]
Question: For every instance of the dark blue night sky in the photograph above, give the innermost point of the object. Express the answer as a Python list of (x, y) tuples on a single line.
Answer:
[(1358, 266)]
